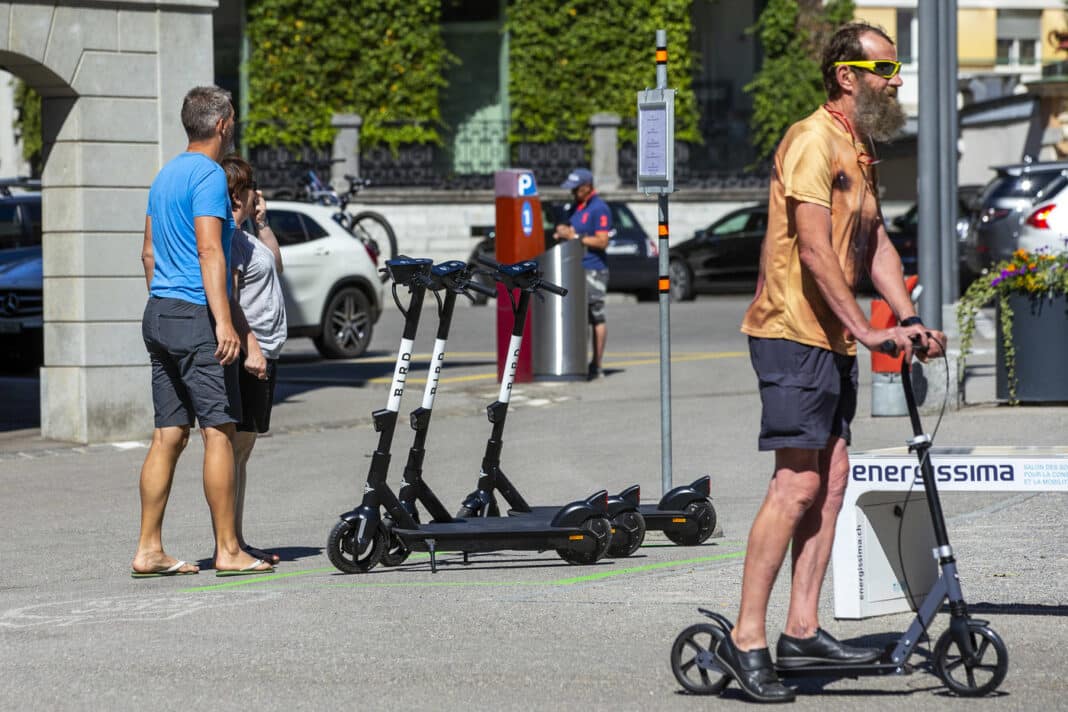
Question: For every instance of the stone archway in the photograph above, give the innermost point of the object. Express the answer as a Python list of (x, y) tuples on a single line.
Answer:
[(112, 76)]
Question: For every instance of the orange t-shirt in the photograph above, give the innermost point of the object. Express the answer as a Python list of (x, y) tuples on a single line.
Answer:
[(820, 162)]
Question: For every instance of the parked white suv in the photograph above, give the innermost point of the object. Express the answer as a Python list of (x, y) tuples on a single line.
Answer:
[(330, 278)]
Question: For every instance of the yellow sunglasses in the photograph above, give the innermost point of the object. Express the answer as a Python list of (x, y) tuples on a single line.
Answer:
[(885, 68)]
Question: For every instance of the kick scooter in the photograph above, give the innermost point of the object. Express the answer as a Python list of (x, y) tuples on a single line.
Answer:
[(628, 526), (579, 531), (969, 657)]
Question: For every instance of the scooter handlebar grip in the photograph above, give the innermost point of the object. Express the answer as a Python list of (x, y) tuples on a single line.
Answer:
[(480, 288), (553, 288), (487, 262)]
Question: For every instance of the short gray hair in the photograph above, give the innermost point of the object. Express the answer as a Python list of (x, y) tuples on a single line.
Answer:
[(202, 109)]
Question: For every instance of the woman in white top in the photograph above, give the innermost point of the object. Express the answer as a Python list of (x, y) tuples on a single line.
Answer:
[(256, 263)]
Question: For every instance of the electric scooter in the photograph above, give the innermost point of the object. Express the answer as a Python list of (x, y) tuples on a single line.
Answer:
[(579, 532), (628, 525), (969, 657)]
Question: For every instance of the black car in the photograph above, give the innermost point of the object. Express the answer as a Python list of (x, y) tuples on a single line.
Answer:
[(725, 253), (904, 229), (21, 295), (631, 253)]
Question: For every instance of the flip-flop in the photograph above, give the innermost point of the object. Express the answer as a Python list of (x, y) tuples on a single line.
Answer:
[(267, 556), (169, 571), (249, 570)]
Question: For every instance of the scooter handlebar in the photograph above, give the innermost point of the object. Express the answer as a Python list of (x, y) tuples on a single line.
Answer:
[(553, 288), (473, 286), (889, 347)]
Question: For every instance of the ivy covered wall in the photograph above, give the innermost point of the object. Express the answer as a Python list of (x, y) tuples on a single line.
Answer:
[(570, 60), (384, 60)]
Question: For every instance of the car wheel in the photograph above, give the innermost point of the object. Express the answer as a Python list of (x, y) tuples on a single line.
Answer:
[(681, 281), (347, 325)]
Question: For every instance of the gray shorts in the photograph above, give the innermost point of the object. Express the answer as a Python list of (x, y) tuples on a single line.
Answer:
[(808, 394), (187, 379), (596, 287)]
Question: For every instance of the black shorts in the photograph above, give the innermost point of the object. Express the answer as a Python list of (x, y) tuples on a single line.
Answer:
[(808, 394), (257, 399), (187, 380)]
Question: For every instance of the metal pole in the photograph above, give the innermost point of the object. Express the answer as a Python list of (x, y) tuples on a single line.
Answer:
[(928, 250), (664, 294), (947, 121)]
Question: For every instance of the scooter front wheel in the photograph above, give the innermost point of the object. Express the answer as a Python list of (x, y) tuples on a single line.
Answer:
[(396, 552), (628, 534), (976, 675), (704, 513), (693, 660), (598, 528), (343, 550)]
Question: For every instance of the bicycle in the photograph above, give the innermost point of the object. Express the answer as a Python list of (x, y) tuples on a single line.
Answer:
[(370, 227)]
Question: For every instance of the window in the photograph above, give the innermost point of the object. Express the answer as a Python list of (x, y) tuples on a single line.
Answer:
[(905, 18), (33, 212), (313, 229), (10, 227), (1018, 36), (733, 223), (286, 226), (621, 218)]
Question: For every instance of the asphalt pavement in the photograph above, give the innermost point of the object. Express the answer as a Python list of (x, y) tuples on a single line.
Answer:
[(510, 630)]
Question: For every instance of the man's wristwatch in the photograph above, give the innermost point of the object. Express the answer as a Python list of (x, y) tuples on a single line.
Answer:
[(911, 320)]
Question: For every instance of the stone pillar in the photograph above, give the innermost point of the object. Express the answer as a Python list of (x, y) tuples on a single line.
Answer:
[(605, 142), (112, 89), (346, 153)]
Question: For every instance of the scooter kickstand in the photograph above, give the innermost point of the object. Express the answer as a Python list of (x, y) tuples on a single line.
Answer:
[(430, 543)]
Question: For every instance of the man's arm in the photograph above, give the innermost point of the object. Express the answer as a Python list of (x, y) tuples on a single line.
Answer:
[(888, 278), (813, 234), (148, 257), (213, 273)]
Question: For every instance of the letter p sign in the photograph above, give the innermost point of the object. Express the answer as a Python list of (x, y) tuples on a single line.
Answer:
[(526, 185)]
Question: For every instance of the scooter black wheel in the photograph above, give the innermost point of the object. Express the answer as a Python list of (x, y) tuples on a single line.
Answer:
[(705, 514), (396, 552), (976, 676), (600, 529), (694, 663), (628, 534), (344, 553)]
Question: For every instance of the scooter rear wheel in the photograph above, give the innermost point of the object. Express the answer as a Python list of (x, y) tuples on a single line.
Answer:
[(600, 529), (705, 514), (628, 536), (343, 550), (396, 552), (979, 676), (693, 660)]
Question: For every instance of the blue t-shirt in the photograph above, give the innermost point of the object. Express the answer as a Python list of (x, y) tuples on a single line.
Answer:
[(189, 186), (592, 217)]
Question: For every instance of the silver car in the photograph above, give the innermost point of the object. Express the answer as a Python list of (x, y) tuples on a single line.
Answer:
[(1009, 206)]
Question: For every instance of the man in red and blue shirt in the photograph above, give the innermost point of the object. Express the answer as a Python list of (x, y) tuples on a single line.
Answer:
[(591, 223)]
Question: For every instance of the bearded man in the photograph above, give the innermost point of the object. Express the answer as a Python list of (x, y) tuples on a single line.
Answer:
[(824, 225)]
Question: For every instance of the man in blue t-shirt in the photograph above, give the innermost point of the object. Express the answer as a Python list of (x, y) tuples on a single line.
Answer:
[(190, 335), (591, 223)]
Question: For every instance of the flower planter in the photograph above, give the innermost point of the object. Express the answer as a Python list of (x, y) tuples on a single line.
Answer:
[(1040, 337)]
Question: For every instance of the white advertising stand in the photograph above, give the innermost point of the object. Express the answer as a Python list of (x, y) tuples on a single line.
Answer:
[(876, 532)]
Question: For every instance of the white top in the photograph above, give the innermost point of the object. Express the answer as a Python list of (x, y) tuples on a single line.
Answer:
[(259, 291)]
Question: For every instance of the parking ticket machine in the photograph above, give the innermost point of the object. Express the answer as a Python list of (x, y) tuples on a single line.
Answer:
[(520, 236)]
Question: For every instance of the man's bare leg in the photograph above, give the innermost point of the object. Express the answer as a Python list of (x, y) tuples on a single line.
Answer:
[(219, 491), (813, 540), (157, 476), (790, 494), (600, 336), (243, 444)]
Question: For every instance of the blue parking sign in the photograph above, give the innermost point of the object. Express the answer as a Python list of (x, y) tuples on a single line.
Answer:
[(526, 185)]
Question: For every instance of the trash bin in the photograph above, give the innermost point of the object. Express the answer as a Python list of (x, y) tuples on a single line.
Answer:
[(558, 324)]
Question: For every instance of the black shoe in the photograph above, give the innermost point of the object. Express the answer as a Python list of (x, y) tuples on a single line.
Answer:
[(820, 649), (593, 372), (753, 672)]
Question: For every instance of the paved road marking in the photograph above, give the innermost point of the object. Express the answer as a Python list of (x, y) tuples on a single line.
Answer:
[(637, 359), (398, 584)]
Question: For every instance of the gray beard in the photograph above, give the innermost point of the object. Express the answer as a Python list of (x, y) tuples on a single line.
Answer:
[(878, 115)]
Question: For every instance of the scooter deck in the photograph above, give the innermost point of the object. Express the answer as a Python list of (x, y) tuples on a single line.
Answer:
[(876, 668), (655, 519), (495, 534)]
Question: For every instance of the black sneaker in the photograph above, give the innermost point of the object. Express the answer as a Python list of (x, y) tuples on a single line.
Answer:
[(821, 649), (753, 671), (593, 372)]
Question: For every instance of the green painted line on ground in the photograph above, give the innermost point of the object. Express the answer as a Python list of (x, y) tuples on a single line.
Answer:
[(426, 584), (647, 567)]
